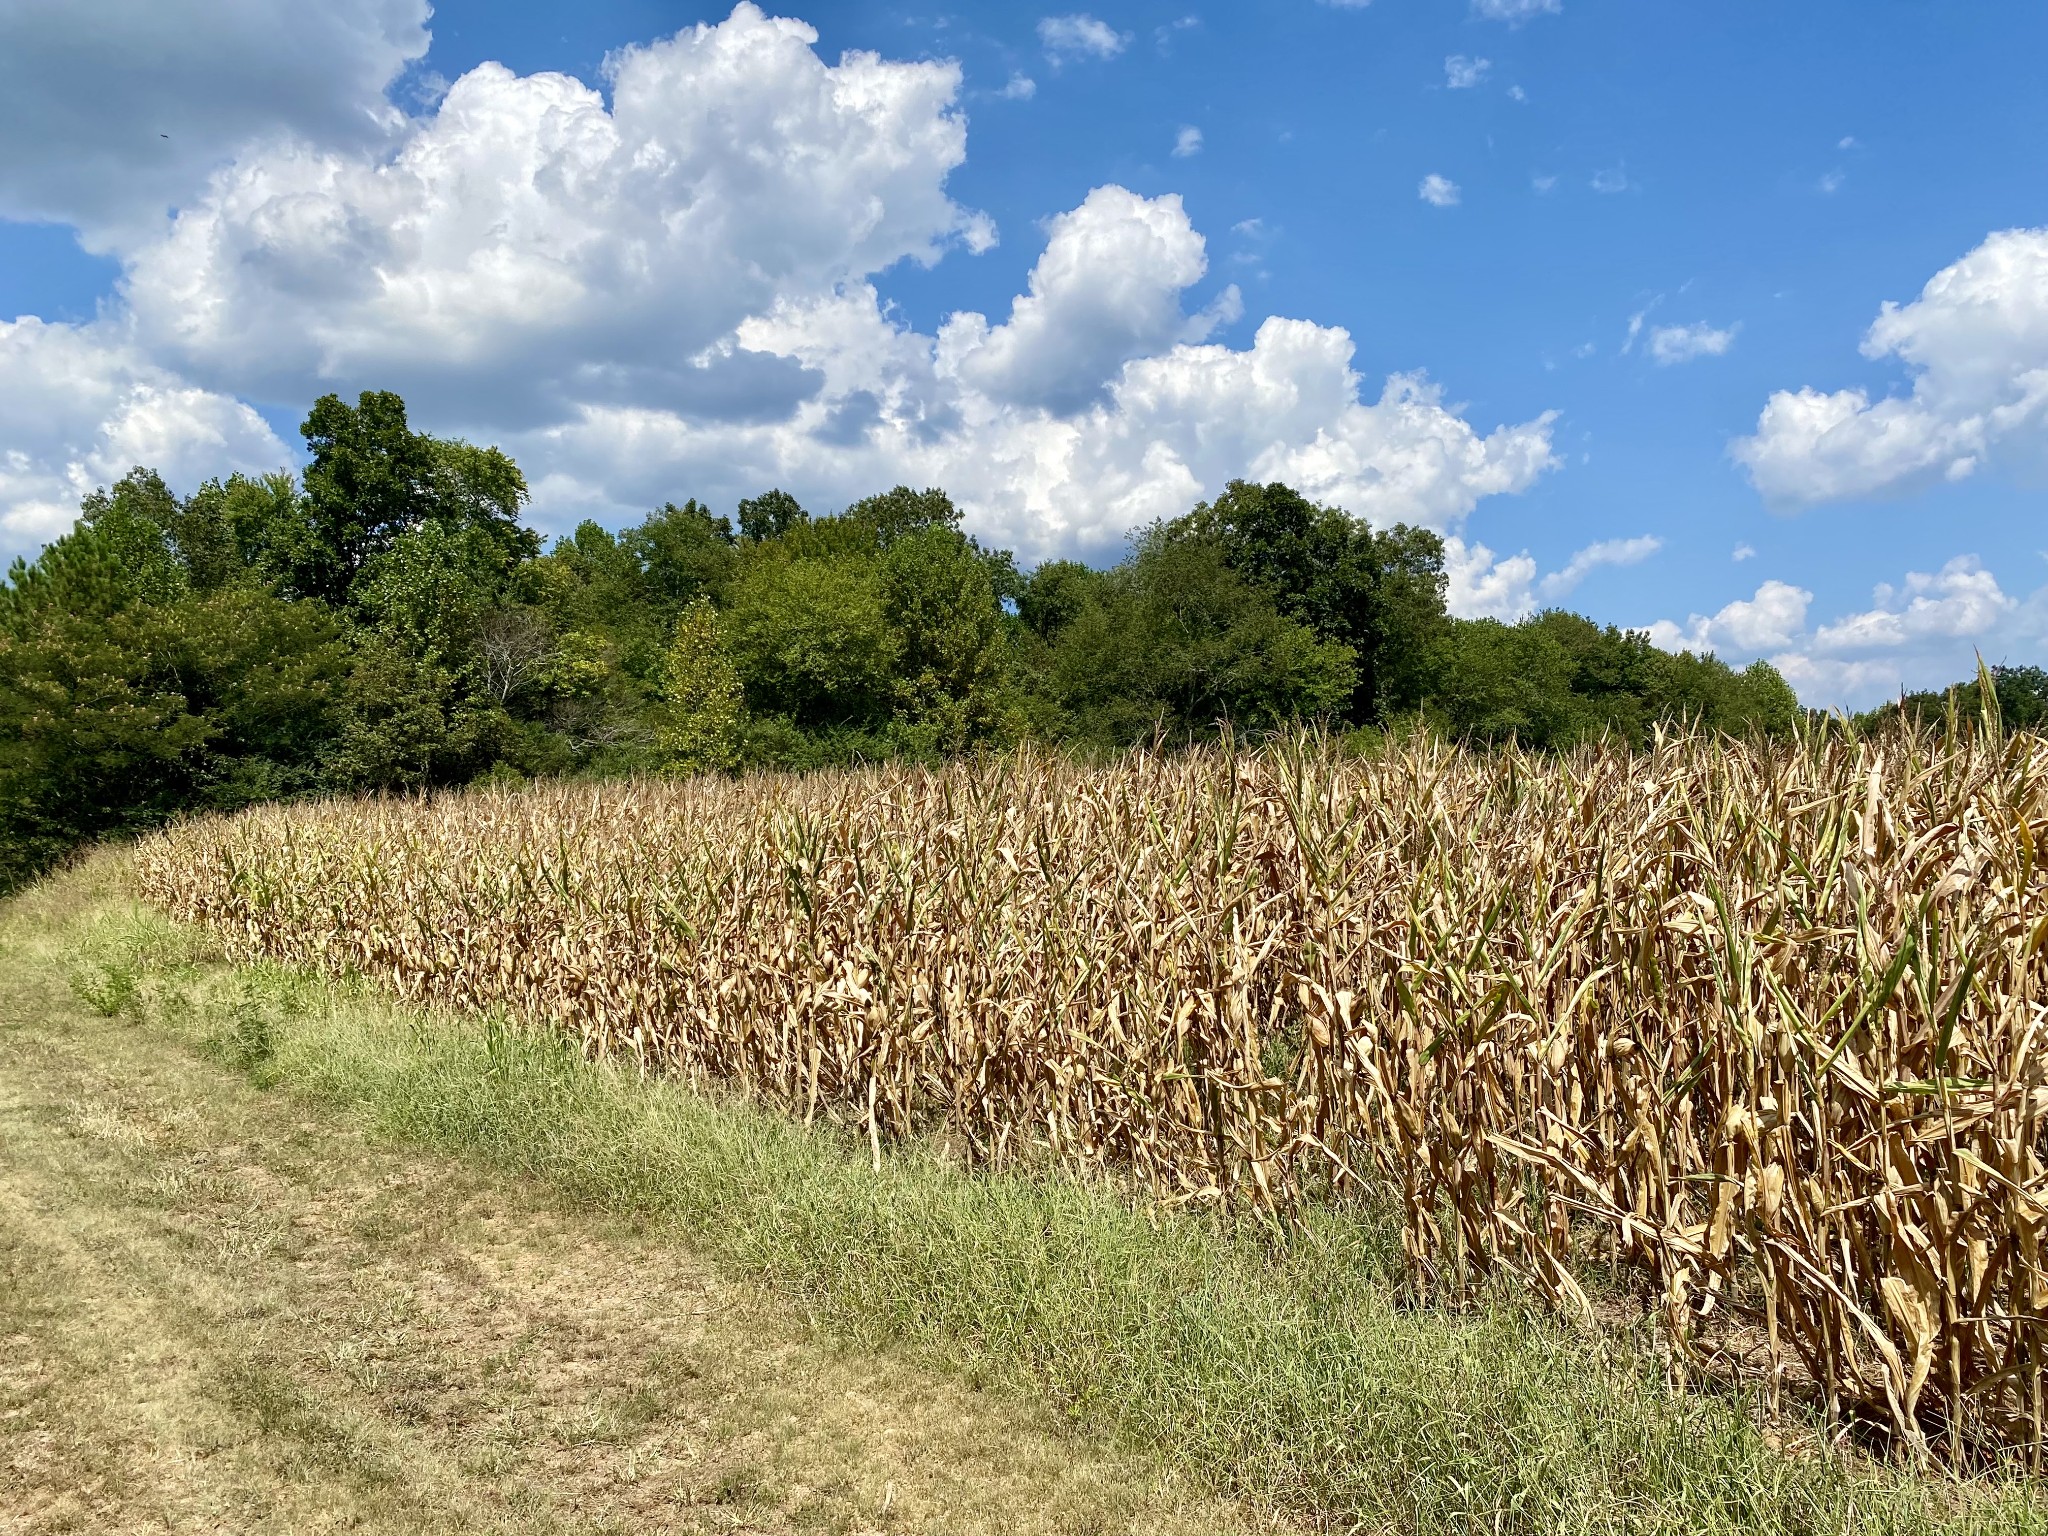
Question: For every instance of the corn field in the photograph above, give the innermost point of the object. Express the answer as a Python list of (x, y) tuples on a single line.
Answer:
[(1761, 1026)]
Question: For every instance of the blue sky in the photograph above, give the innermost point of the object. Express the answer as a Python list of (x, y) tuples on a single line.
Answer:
[(1631, 261)]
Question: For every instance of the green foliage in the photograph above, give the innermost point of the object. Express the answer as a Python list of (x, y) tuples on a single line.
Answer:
[(373, 479), (106, 986), (1497, 682), (1379, 592), (432, 587), (770, 515), (135, 522), (1177, 644), (1056, 594), (384, 622), (407, 722), (812, 639), (1556, 678), (939, 599), (899, 513), (680, 554), (707, 708), (2020, 695)]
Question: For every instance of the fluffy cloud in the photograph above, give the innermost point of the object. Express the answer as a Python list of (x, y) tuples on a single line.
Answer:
[(525, 240), (1168, 429), (1187, 142), (1080, 36), (1925, 632), (1962, 600), (1438, 191), (1559, 585), (1515, 12), (82, 408), (1775, 617), (1106, 290), (1976, 341), (1462, 73), (110, 113), (672, 292), (1682, 343), (1483, 585)]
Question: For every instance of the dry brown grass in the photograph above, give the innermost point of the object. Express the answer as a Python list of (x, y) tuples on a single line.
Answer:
[(1761, 1025)]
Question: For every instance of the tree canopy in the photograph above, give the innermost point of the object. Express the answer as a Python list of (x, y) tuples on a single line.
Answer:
[(384, 620)]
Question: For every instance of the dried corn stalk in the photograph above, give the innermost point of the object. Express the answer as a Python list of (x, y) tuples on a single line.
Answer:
[(1763, 1024)]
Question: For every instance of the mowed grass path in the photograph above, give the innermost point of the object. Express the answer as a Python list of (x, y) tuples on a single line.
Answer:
[(223, 1308), (279, 1255)]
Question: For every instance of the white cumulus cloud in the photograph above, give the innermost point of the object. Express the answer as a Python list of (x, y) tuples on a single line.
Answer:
[(1976, 343), (1080, 36), (1559, 585), (524, 239), (1482, 585), (670, 288), (1438, 191), (82, 407), (1168, 429), (1682, 343), (1106, 290), (1478, 584), (1187, 142), (1515, 12), (1774, 617), (1462, 73), (1925, 632), (1960, 600)]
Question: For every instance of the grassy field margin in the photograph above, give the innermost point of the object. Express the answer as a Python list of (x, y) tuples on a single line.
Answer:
[(1287, 1369)]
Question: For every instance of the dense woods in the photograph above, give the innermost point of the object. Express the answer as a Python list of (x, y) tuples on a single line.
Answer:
[(383, 621)]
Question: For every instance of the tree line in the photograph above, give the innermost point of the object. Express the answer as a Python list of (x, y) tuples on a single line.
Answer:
[(383, 621)]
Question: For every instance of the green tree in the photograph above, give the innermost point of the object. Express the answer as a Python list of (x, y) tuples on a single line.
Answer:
[(406, 722), (681, 554), (94, 738), (373, 479), (1056, 594), (812, 640), (1178, 642), (135, 521), (939, 600), (706, 722), (2021, 693), (770, 515), (1765, 702), (122, 702), (1495, 682), (1381, 593), (266, 676), (244, 526), (899, 513), (431, 588)]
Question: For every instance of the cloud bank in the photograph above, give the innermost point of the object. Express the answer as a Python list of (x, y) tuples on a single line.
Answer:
[(1924, 632), (669, 288), (1976, 346)]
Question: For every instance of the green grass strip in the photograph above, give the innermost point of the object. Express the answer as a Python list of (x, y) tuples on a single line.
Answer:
[(1286, 1368)]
